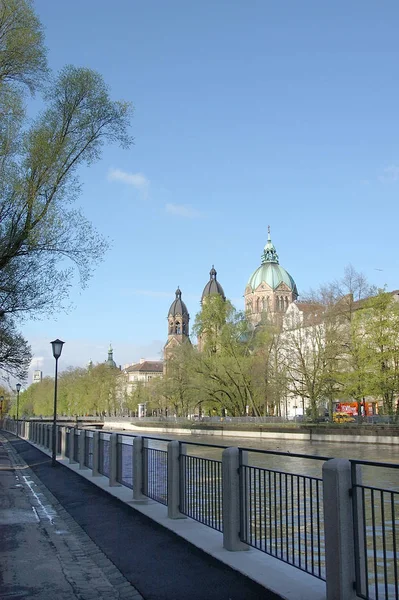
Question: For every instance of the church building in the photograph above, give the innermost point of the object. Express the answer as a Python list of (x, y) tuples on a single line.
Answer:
[(270, 290)]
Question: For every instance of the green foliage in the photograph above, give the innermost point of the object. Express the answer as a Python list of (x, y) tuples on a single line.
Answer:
[(44, 241), (92, 391)]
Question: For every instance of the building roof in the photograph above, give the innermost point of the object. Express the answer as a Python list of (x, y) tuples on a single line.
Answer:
[(178, 307), (148, 366), (213, 286), (270, 271)]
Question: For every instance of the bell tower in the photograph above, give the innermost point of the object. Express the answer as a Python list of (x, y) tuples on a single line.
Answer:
[(178, 325)]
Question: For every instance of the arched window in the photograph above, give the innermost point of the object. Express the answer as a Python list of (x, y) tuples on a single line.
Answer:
[(178, 328), (257, 305)]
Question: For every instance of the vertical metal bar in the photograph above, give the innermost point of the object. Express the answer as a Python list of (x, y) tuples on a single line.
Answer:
[(286, 519), (374, 545), (395, 558), (305, 523), (281, 515), (311, 524), (366, 563), (259, 507), (384, 544), (292, 520), (299, 519), (275, 513), (250, 504), (270, 513)]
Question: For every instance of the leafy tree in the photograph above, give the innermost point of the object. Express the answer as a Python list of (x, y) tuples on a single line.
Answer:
[(44, 241), (379, 324), (15, 353)]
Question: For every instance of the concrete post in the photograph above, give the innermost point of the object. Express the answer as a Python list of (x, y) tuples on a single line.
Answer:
[(72, 446), (338, 530), (28, 430), (41, 442), (174, 480), (138, 470), (82, 440), (231, 500), (113, 460), (96, 454), (49, 430), (63, 442)]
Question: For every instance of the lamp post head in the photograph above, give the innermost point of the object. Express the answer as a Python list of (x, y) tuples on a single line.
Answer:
[(57, 348), (18, 387)]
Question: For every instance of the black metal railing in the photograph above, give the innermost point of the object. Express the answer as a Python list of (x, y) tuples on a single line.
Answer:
[(155, 474), (59, 436), (124, 474), (201, 490), (376, 535), (88, 461), (282, 515), (76, 445), (103, 456)]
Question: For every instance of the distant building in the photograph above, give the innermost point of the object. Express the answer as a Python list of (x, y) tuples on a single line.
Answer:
[(178, 325), (37, 376), (270, 289), (142, 372), (110, 360)]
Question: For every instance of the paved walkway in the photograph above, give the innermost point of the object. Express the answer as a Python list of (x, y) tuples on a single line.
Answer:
[(63, 538)]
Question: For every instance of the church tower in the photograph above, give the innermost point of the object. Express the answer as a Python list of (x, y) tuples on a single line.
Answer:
[(178, 325), (212, 288), (270, 289)]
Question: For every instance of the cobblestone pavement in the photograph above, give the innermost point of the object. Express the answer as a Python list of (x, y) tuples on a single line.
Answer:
[(44, 553)]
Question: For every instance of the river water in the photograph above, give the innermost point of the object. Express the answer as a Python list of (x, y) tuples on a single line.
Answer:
[(283, 497)]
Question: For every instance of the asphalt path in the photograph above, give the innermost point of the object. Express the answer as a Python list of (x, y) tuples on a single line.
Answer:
[(157, 562)]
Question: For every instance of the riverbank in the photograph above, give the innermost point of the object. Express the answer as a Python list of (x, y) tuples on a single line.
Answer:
[(342, 433)]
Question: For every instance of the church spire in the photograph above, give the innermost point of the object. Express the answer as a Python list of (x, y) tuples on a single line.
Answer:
[(269, 252)]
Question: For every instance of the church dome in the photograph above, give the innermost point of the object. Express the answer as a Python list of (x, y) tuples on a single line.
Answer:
[(177, 307), (213, 286), (271, 272), (110, 361)]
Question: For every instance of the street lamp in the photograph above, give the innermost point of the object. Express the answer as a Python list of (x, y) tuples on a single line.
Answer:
[(57, 349), (1, 407), (18, 388)]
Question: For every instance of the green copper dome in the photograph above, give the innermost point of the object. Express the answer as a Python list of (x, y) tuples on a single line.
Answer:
[(270, 271)]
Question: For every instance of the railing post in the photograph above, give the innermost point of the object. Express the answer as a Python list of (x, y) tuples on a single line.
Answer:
[(96, 454), (72, 445), (113, 460), (82, 444), (231, 500), (28, 424), (338, 530), (174, 483), (41, 438), (63, 442), (138, 469)]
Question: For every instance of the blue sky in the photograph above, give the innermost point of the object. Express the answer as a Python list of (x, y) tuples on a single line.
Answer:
[(246, 114)]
